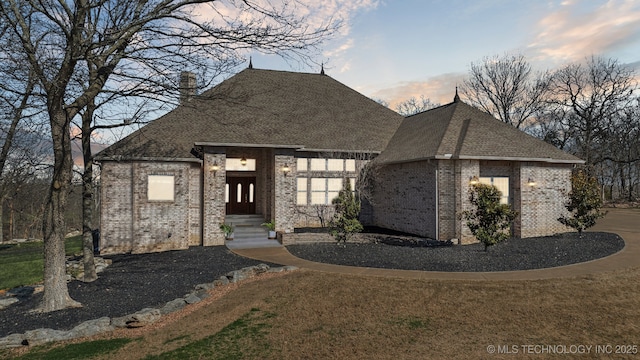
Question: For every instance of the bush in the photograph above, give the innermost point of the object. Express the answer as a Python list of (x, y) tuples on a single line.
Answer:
[(584, 203), (345, 221), (490, 221)]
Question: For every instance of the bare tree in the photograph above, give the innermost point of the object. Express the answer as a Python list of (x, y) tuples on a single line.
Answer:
[(620, 153), (591, 95), (138, 44), (16, 101), (505, 87), (413, 106)]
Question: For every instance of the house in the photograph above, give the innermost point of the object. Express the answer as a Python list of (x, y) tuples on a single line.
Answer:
[(281, 144), (424, 174), (273, 143)]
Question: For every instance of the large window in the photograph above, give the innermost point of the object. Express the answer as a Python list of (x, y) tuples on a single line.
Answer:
[(502, 183), (320, 180), (160, 188)]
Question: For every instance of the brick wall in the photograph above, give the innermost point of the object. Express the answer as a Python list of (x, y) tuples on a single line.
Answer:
[(284, 196), (542, 204), (130, 222), (116, 208), (214, 207), (465, 170), (404, 198)]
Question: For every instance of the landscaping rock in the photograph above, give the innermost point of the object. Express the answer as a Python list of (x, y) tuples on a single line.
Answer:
[(121, 321), (173, 306), (206, 286), (7, 301), (223, 280), (192, 299), (75, 267), (12, 341), (42, 336), (143, 317), (92, 327)]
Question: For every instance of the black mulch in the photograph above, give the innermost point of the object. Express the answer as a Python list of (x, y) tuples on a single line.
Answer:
[(514, 254), (129, 284)]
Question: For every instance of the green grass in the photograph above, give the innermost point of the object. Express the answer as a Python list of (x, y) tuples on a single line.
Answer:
[(85, 350), (242, 339), (23, 264)]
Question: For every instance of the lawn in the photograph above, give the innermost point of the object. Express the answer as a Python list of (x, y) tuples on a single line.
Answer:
[(23, 264), (315, 315)]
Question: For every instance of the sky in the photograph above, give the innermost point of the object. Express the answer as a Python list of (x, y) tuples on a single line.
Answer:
[(395, 49)]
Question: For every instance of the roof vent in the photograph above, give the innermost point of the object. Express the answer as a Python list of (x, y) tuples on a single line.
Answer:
[(187, 86)]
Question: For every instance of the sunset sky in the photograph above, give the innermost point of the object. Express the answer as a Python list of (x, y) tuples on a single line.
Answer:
[(395, 49)]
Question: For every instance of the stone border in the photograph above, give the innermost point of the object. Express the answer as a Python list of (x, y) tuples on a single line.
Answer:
[(138, 319)]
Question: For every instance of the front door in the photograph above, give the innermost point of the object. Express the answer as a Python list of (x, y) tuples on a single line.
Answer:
[(241, 198)]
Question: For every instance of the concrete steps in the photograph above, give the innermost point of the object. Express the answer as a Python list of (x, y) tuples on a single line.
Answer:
[(248, 232)]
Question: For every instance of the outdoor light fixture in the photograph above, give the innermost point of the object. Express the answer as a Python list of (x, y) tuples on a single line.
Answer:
[(286, 169), (243, 161), (474, 180), (531, 182), (214, 168)]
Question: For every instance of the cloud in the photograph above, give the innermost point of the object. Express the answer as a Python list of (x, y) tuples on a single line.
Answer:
[(440, 89), (571, 32)]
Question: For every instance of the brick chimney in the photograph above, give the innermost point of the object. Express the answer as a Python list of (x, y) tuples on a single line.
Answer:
[(187, 86)]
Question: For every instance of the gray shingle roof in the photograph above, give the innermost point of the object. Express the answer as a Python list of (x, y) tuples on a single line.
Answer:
[(458, 130), (275, 108)]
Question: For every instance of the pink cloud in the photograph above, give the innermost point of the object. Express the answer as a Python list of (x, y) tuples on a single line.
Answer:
[(570, 33), (440, 89)]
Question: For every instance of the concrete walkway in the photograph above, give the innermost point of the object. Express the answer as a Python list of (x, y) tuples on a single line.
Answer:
[(624, 222)]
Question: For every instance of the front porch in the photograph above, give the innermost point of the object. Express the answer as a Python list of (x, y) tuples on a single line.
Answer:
[(249, 181)]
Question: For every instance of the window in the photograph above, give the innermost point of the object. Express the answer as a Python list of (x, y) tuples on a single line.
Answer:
[(502, 183), (318, 164), (324, 190), (302, 164), (350, 165), (160, 188), (302, 191), (335, 164), (232, 164)]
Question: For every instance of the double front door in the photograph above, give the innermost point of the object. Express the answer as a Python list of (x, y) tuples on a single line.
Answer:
[(241, 195)]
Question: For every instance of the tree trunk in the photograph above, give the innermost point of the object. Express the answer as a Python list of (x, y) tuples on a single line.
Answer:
[(56, 294), (1, 220), (87, 197)]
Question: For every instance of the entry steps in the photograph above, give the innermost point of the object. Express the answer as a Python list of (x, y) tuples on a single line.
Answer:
[(248, 232)]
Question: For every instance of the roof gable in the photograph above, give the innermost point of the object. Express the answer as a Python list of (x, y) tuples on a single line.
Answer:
[(271, 108), (458, 130)]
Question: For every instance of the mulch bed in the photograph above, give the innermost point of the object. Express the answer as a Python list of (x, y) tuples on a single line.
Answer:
[(397, 252), (129, 284)]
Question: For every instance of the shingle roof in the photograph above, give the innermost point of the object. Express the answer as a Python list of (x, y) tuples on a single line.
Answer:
[(458, 130), (274, 108)]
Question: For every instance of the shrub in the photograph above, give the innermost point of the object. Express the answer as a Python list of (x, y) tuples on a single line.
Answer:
[(490, 221), (584, 203), (345, 220)]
